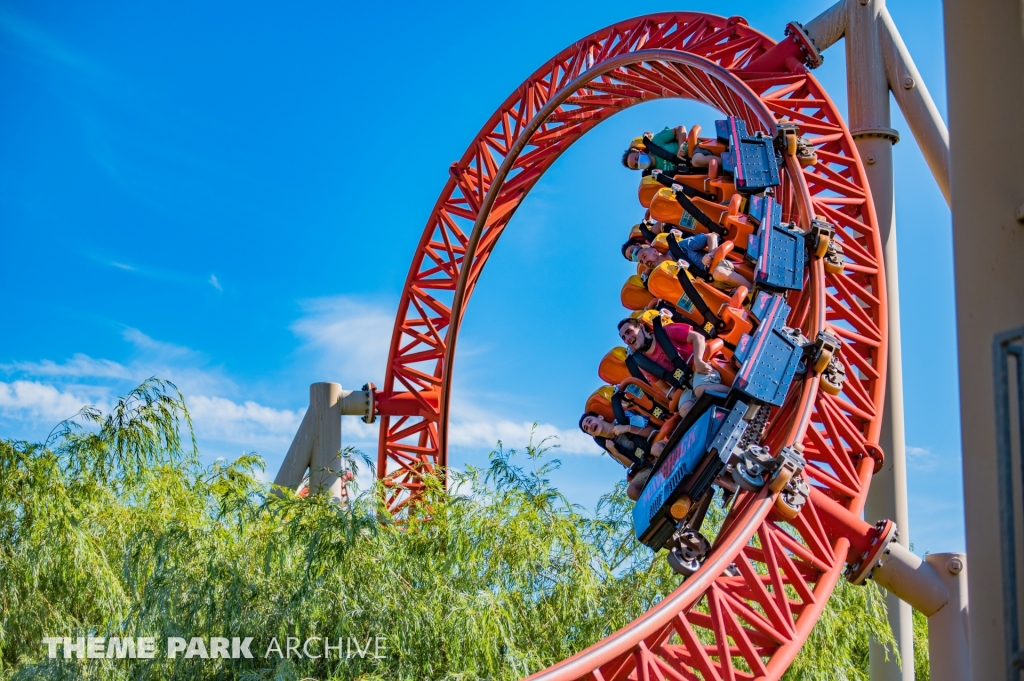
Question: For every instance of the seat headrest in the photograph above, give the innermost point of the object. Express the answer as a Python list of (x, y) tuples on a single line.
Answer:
[(649, 186), (665, 208), (612, 368), (600, 402), (634, 294)]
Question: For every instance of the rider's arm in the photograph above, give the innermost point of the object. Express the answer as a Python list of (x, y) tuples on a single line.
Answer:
[(701, 158), (697, 341), (680, 132), (636, 430), (621, 458)]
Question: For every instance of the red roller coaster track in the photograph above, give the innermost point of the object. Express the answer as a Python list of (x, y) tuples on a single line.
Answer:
[(718, 624)]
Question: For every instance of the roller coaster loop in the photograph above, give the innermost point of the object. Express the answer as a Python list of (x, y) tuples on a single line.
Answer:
[(747, 611)]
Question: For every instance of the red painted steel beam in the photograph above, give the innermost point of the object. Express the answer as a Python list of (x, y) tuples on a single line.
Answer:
[(422, 404)]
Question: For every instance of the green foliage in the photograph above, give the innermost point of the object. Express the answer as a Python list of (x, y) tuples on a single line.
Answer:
[(113, 528), (922, 672), (837, 649)]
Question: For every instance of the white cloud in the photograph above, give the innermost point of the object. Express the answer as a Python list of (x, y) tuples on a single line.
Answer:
[(78, 366), (348, 338), (181, 365), (214, 283), (249, 422), (351, 338), (40, 402), (67, 386), (354, 431), (921, 458), (475, 424), (157, 349), (487, 432)]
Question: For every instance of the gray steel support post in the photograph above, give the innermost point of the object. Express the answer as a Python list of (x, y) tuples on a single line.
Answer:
[(937, 587), (325, 462), (868, 95), (878, 62), (948, 651), (317, 444), (985, 80)]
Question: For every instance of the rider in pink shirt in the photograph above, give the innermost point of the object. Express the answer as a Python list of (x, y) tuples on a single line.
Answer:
[(689, 343)]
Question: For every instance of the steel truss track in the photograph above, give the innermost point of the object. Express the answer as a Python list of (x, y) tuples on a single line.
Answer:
[(714, 626)]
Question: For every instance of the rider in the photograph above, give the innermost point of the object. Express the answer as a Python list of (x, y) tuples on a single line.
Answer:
[(628, 444), (631, 249), (666, 346), (672, 140), (642, 234), (698, 250)]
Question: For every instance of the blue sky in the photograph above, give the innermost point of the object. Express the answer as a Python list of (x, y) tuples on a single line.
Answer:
[(195, 192)]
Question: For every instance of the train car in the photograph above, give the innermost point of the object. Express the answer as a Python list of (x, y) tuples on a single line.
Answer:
[(695, 456), (717, 443)]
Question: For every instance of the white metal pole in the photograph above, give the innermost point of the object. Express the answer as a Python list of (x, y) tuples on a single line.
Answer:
[(828, 28), (868, 95), (915, 102), (937, 587), (317, 444), (948, 651), (878, 62), (985, 81), (325, 464), (903, 573), (296, 461)]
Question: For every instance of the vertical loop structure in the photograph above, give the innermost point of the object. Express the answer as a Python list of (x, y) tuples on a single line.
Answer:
[(747, 611)]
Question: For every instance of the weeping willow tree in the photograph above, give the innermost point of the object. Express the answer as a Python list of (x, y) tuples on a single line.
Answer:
[(113, 528)]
